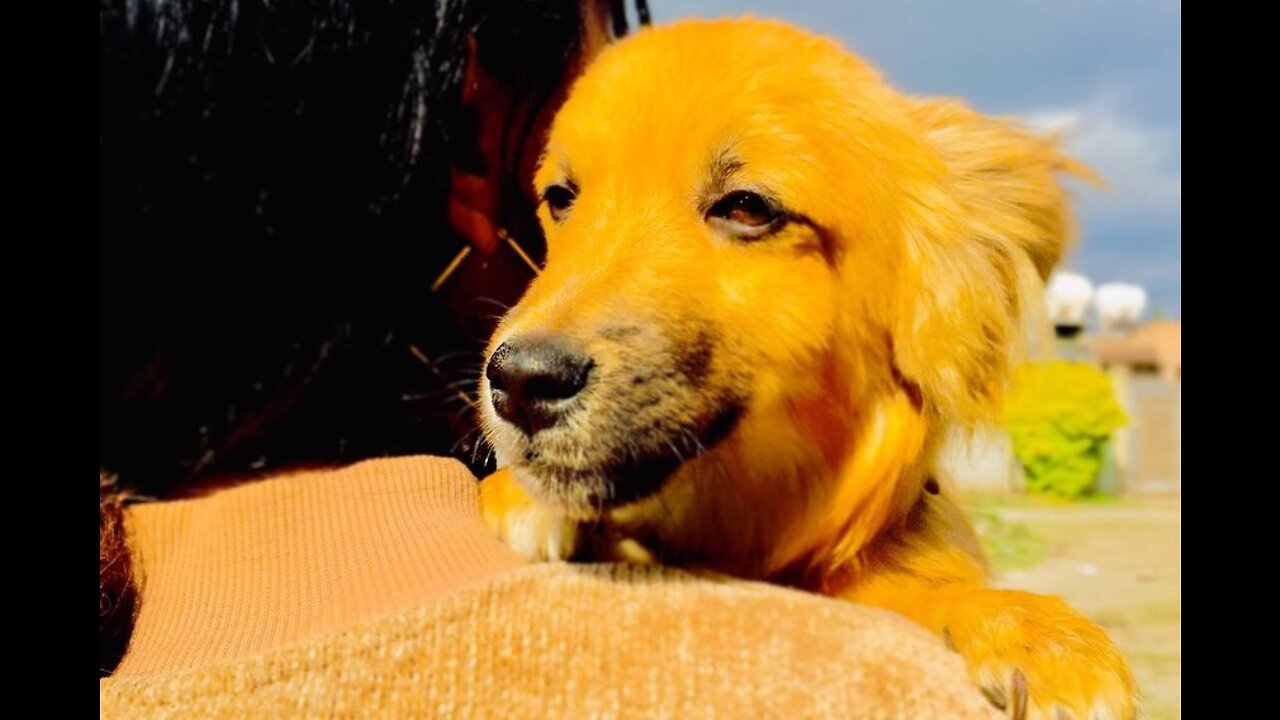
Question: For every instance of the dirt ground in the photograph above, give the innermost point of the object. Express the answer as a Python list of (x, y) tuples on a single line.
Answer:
[(1119, 562)]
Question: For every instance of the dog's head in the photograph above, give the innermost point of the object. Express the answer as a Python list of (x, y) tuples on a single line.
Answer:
[(770, 279)]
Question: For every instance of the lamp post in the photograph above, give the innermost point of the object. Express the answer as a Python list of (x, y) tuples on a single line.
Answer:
[(1068, 297), (1119, 306)]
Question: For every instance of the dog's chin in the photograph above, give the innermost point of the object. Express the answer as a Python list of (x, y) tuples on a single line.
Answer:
[(589, 493)]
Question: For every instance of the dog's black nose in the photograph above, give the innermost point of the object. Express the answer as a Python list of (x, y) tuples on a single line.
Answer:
[(531, 379)]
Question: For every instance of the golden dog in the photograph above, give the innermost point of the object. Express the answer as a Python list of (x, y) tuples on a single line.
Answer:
[(772, 282)]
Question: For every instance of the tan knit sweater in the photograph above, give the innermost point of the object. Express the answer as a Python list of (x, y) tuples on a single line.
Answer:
[(376, 591)]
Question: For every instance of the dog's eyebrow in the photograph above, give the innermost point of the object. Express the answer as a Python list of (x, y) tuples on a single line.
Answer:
[(723, 166), (567, 178), (719, 172)]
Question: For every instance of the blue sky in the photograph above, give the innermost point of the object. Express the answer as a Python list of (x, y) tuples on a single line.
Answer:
[(1106, 73)]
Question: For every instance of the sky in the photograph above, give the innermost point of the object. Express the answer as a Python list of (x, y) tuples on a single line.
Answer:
[(1106, 74)]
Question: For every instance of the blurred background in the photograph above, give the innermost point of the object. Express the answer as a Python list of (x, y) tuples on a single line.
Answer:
[(1079, 494)]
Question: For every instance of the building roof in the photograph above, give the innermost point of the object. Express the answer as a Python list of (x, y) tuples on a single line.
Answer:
[(1157, 343)]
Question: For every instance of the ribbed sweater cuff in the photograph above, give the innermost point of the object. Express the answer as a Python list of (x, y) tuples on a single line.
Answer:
[(266, 564)]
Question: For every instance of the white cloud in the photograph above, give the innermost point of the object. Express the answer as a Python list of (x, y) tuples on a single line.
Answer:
[(1141, 164)]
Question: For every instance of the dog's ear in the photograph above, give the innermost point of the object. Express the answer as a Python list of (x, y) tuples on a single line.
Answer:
[(983, 240)]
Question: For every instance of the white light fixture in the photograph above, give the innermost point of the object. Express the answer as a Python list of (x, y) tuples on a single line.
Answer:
[(1068, 297), (1119, 305)]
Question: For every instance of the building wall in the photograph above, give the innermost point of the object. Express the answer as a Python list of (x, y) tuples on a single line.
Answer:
[(1155, 443), (982, 463)]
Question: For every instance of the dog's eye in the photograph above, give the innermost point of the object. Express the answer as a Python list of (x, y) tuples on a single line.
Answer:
[(744, 213), (558, 199)]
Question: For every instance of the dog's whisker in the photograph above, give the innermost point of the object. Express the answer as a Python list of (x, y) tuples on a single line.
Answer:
[(440, 398), (466, 437), (675, 451), (422, 358), (449, 356), (481, 441), (493, 301), (693, 440)]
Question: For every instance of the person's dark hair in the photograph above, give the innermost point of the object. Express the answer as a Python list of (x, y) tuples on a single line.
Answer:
[(273, 181), (272, 188)]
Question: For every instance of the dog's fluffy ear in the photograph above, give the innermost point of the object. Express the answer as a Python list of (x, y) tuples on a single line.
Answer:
[(985, 238)]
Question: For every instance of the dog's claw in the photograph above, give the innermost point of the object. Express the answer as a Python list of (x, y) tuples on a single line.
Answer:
[(1012, 698), (1018, 692), (1037, 659)]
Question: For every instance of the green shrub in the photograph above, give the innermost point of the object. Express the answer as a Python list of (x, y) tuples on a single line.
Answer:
[(1059, 416)]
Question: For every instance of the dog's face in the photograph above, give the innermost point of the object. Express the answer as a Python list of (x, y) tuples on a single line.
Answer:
[(758, 255)]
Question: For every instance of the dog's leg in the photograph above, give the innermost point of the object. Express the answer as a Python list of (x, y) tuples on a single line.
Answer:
[(530, 529), (1032, 655)]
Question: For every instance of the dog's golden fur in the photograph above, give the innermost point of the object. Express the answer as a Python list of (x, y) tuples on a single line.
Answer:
[(769, 402)]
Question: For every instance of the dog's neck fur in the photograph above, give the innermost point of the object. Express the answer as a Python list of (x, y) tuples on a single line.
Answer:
[(725, 511)]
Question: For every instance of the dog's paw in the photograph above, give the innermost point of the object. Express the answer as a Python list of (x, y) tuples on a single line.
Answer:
[(1035, 657), (532, 530)]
